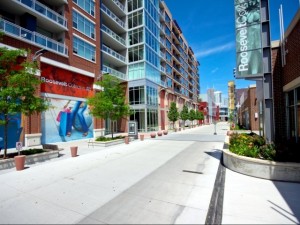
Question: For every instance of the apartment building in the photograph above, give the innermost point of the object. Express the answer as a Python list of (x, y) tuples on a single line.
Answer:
[(77, 41)]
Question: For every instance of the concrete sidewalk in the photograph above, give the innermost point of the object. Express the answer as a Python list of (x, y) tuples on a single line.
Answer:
[(143, 182)]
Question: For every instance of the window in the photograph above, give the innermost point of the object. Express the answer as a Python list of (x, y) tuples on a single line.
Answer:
[(152, 120), (135, 36), (134, 4), (137, 95), (139, 116), (135, 19), (83, 49), (136, 53), (86, 5), (83, 25), (136, 71), (152, 96)]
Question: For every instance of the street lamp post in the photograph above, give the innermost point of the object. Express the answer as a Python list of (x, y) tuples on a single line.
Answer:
[(215, 125)]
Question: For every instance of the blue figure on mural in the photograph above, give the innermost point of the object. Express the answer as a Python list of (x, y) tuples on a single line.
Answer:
[(76, 117), (14, 130)]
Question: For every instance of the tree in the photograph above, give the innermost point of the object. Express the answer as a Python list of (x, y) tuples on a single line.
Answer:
[(192, 116), (109, 103), (18, 85), (199, 115), (173, 113), (184, 114)]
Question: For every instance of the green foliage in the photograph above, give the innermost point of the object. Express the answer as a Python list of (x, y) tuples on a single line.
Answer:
[(102, 138), (109, 103), (18, 85), (251, 145), (184, 114), (173, 113), (192, 116)]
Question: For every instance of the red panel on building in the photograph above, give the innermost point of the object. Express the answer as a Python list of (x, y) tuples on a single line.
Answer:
[(63, 82)]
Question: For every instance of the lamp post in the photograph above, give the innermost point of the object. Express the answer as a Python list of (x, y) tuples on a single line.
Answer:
[(215, 125), (39, 53)]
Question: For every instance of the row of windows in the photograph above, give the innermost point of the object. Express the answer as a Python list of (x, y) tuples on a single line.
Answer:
[(86, 5), (152, 25), (152, 10), (152, 41), (134, 4), (136, 53), (152, 57), (136, 71), (83, 49), (137, 95), (139, 115), (152, 96), (83, 25), (136, 36), (152, 73), (135, 19)]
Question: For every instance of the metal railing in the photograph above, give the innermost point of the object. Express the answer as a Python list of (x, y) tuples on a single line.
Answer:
[(113, 34), (114, 72), (119, 4), (33, 37), (113, 16), (44, 10), (113, 53)]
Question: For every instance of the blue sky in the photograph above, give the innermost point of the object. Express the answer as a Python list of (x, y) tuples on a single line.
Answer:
[(208, 27)]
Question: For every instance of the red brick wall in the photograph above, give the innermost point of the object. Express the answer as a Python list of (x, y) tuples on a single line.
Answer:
[(292, 68)]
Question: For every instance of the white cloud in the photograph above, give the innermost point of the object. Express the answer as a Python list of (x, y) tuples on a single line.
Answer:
[(215, 70), (214, 50)]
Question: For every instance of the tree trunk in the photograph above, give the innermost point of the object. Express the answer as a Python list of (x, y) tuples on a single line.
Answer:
[(5, 135), (111, 129)]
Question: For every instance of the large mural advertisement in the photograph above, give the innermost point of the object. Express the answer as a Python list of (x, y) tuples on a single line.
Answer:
[(14, 130), (66, 120)]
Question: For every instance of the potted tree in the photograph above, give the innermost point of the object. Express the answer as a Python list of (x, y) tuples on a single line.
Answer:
[(173, 114), (110, 103), (184, 114), (192, 117), (18, 84)]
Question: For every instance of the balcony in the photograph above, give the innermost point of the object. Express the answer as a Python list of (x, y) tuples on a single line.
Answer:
[(163, 69), (113, 35), (34, 38), (113, 54), (44, 11), (112, 16), (114, 72)]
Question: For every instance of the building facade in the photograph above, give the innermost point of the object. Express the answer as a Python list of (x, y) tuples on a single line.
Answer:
[(134, 40)]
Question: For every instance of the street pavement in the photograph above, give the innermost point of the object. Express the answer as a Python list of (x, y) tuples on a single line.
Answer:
[(166, 180)]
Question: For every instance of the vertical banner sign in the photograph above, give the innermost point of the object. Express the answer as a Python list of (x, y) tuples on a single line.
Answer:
[(248, 39)]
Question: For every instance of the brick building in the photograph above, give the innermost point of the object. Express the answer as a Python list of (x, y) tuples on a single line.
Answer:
[(286, 89)]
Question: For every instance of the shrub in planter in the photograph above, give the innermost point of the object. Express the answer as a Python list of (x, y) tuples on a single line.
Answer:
[(102, 138), (251, 145)]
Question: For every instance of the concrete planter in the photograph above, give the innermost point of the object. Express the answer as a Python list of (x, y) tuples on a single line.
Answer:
[(280, 171), (142, 137), (30, 159), (74, 150), (152, 135), (165, 132), (159, 133), (126, 140), (20, 162)]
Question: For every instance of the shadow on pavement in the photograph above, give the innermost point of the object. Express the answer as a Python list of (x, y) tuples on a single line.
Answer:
[(216, 154), (291, 194)]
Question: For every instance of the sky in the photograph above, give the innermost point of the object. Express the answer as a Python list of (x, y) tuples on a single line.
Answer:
[(208, 27)]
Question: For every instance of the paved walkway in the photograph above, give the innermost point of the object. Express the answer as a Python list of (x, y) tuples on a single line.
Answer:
[(164, 180)]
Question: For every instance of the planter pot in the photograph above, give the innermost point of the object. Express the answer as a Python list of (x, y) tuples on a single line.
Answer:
[(159, 133), (141, 137), (179, 128), (126, 140), (175, 129), (20, 162), (165, 132), (74, 151), (152, 135)]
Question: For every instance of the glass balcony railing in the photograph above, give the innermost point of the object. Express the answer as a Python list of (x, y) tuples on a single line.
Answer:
[(113, 16), (163, 69), (44, 10), (33, 37), (163, 55), (113, 34), (119, 4), (114, 72), (113, 53)]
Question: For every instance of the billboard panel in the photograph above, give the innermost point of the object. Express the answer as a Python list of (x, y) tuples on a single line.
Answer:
[(248, 39)]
